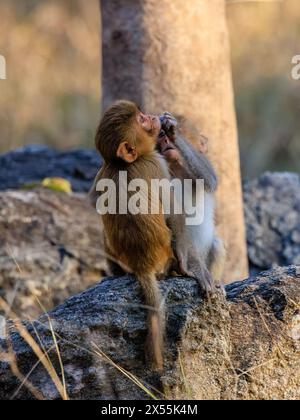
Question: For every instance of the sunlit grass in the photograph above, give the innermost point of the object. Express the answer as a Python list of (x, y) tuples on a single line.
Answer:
[(43, 357)]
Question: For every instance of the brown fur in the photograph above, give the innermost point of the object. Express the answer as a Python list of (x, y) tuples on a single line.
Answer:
[(115, 127), (140, 243)]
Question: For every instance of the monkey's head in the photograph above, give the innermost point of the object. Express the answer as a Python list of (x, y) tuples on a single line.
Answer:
[(126, 133), (193, 135), (166, 144), (167, 148)]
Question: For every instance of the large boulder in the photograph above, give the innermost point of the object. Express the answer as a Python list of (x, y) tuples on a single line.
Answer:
[(35, 163), (272, 208), (272, 202), (247, 347), (50, 248)]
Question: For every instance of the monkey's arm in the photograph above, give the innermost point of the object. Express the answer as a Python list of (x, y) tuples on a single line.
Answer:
[(197, 164)]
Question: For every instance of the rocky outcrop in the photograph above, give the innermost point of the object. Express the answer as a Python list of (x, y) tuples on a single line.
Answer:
[(247, 347), (272, 208), (272, 202), (50, 248), (35, 163)]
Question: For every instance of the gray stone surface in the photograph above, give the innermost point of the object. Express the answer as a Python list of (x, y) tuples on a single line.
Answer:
[(244, 348), (50, 247), (272, 208), (35, 163), (272, 202)]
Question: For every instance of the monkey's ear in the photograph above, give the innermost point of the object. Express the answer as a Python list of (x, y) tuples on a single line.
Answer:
[(127, 152), (203, 145)]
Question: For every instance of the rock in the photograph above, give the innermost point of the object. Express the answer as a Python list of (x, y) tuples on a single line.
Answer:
[(245, 348), (272, 208), (50, 248), (272, 202), (35, 163)]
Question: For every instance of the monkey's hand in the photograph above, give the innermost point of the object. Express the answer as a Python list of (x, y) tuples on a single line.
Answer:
[(170, 125)]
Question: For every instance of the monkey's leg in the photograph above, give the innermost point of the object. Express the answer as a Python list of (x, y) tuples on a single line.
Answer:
[(194, 266), (173, 270), (199, 271), (115, 269), (180, 260), (216, 261), (184, 265)]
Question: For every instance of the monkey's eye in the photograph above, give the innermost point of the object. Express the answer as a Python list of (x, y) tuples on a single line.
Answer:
[(162, 134)]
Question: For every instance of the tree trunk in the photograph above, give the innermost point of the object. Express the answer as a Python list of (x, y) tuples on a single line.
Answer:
[(174, 55)]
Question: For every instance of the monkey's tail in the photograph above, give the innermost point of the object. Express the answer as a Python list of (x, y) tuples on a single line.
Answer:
[(156, 320)]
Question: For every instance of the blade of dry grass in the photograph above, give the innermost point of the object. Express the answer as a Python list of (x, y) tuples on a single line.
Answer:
[(16, 371), (48, 361), (184, 378), (128, 375), (38, 352), (66, 398), (44, 358), (25, 380), (265, 323), (103, 356)]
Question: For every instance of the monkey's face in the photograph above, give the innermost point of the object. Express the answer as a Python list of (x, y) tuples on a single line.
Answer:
[(167, 148), (150, 124), (140, 139)]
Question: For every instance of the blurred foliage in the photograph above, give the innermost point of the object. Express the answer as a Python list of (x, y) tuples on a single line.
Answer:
[(264, 38), (52, 91), (53, 67)]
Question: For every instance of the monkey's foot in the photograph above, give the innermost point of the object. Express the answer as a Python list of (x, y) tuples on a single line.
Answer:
[(205, 282)]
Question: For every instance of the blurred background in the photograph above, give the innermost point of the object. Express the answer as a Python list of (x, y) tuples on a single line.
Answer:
[(52, 92)]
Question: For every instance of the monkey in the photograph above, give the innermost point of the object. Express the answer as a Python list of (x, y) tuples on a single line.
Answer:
[(137, 244), (215, 260), (191, 133), (200, 253)]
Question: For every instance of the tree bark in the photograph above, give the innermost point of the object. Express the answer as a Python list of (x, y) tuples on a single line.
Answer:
[(174, 55)]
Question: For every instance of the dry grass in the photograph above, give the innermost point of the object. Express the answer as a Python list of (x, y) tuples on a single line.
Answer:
[(187, 388), (43, 355), (38, 349), (133, 378), (62, 370), (43, 358)]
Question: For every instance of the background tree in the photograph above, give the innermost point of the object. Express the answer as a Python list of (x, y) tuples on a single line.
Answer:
[(174, 55)]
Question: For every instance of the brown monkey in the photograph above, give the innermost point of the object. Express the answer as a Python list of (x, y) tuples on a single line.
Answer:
[(200, 253), (140, 244)]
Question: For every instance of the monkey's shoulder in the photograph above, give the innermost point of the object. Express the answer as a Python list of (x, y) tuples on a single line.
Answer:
[(152, 166)]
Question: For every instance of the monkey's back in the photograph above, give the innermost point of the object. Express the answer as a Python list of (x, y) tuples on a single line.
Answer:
[(141, 243)]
